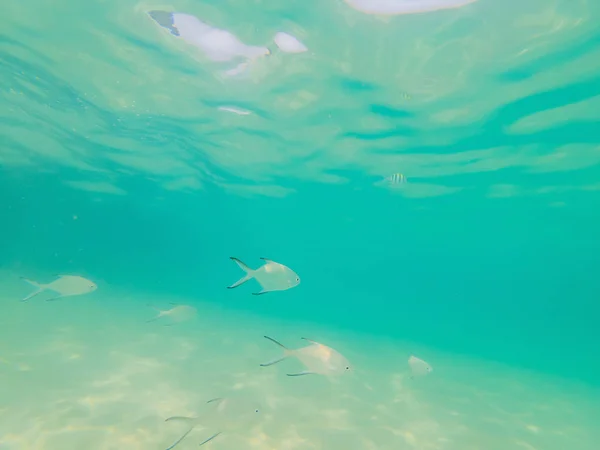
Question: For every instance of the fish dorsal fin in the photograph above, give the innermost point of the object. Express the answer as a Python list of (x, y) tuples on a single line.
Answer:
[(218, 399), (267, 260), (311, 341), (276, 342)]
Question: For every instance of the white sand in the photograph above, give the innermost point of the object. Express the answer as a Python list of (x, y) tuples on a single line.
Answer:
[(89, 373)]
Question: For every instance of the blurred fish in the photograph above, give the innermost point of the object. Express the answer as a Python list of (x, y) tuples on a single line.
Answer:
[(215, 43), (288, 43), (317, 358), (418, 367), (392, 7), (396, 178), (233, 109), (223, 414), (64, 286), (179, 313), (271, 276)]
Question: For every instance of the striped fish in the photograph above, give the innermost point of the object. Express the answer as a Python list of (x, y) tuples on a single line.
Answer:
[(396, 178)]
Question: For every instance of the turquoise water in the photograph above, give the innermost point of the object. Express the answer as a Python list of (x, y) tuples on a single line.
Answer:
[(130, 158)]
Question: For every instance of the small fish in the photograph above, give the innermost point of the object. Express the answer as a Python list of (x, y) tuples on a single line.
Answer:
[(179, 313), (288, 43), (418, 367), (223, 415), (317, 358), (396, 178), (271, 276), (233, 109), (64, 286)]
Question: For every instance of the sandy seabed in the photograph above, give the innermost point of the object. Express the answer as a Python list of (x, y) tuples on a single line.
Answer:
[(90, 373)]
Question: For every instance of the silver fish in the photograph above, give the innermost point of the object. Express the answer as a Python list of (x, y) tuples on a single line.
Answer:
[(179, 313), (64, 286), (271, 276), (317, 358), (223, 414), (418, 367)]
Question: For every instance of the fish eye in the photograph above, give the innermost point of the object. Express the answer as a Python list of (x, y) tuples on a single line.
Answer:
[(256, 410), (347, 368)]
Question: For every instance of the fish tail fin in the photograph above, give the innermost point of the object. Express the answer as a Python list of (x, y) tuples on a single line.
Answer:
[(40, 288), (189, 420), (31, 282), (242, 266), (249, 273), (286, 353), (158, 316)]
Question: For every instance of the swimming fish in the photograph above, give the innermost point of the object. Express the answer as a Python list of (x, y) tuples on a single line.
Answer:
[(215, 43), (179, 313), (418, 367), (392, 7), (396, 178), (64, 286), (317, 358), (222, 415), (288, 43), (233, 109), (271, 276)]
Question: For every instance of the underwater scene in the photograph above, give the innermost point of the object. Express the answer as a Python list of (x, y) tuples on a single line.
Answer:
[(300, 225)]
